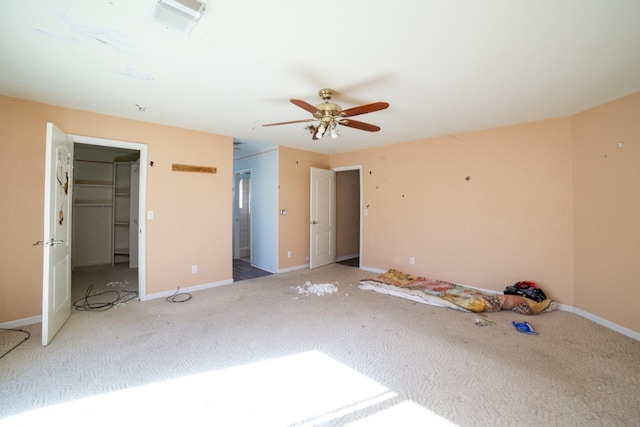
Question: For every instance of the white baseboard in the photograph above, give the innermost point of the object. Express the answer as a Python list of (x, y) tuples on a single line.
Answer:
[(373, 270), (297, 267), (262, 268), (189, 289), (601, 321), (21, 322)]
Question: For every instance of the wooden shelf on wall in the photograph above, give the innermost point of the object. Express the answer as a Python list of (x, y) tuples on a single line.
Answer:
[(190, 168)]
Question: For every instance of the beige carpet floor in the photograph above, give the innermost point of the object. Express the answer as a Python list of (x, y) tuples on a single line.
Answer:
[(260, 353)]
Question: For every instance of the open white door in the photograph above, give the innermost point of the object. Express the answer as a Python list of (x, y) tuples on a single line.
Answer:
[(56, 278), (323, 218)]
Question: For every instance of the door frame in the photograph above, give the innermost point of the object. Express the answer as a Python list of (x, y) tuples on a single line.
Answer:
[(142, 200), (360, 178), (236, 224)]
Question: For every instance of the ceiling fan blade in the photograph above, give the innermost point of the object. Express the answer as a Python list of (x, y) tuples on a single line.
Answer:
[(304, 105), (287, 123), (359, 125), (363, 109)]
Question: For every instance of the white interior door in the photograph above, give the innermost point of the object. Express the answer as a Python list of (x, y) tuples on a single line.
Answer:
[(323, 218), (56, 278)]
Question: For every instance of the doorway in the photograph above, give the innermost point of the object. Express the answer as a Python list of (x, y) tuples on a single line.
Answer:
[(108, 220), (243, 267), (335, 216), (348, 217)]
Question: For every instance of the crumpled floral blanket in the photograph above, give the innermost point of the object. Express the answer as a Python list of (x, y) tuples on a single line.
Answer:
[(445, 294)]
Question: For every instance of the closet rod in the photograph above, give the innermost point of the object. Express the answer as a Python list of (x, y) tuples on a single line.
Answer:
[(93, 161)]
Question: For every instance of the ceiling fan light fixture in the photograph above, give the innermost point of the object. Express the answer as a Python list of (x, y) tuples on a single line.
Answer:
[(330, 115), (181, 15)]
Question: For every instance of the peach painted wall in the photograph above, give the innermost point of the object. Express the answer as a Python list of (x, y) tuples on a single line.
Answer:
[(484, 209), (294, 182), (192, 211), (533, 190), (606, 188)]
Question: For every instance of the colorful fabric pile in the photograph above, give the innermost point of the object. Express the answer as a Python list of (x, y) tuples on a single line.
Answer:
[(445, 294)]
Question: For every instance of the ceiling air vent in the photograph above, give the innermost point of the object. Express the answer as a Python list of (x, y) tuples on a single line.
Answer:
[(181, 15)]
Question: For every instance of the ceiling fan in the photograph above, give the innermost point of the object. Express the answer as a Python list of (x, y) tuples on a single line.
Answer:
[(329, 115)]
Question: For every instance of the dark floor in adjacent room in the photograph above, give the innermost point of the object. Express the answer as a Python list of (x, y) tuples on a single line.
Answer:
[(243, 270), (351, 262)]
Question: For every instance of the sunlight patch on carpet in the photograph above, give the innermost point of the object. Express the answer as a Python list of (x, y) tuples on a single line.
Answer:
[(303, 389), (405, 414)]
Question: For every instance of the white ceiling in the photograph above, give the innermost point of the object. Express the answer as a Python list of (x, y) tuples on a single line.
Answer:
[(445, 66)]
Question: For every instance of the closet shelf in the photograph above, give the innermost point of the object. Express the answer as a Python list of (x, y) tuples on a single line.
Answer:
[(102, 195), (84, 183), (105, 203)]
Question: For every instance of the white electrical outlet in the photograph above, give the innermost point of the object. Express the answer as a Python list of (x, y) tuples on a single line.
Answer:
[(289, 254), (194, 269), (412, 260)]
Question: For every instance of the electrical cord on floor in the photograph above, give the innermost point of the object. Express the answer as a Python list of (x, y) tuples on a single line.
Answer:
[(27, 336), (176, 297), (84, 303)]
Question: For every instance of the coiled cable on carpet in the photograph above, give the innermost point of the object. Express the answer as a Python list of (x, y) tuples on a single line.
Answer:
[(84, 303), (177, 297), (27, 336)]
